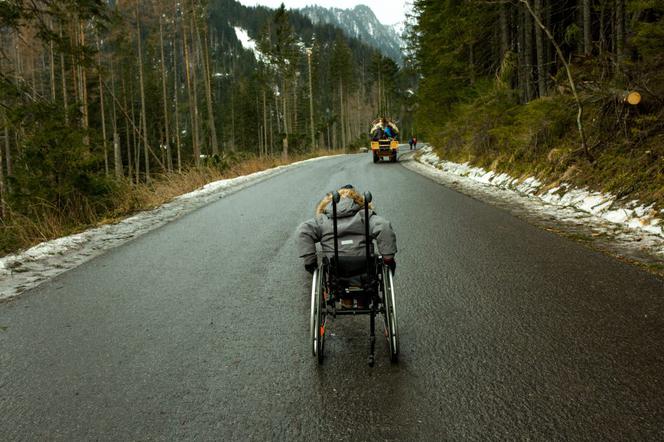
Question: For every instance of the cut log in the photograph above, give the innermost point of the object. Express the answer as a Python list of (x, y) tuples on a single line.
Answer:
[(633, 98)]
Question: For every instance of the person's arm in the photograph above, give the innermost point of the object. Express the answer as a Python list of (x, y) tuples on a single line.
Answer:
[(308, 234), (381, 230)]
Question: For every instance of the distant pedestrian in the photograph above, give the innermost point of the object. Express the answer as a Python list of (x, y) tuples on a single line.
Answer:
[(414, 142), (410, 143)]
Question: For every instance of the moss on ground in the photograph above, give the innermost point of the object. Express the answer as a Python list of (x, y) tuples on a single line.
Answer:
[(540, 139)]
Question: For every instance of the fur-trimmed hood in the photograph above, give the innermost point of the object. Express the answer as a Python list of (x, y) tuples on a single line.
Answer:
[(350, 203), (351, 225)]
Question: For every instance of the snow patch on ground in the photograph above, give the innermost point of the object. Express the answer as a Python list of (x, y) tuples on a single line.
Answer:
[(25, 270), (634, 215), (633, 230)]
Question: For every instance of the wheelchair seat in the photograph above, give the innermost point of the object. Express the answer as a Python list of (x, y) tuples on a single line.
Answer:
[(351, 266)]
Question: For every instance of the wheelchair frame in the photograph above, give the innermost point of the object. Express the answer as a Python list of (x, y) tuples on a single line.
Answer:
[(377, 288)]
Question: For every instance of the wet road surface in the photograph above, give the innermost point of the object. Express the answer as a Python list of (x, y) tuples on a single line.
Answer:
[(199, 330)]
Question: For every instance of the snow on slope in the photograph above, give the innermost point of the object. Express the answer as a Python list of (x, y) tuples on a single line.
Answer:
[(630, 229), (247, 42), (633, 215)]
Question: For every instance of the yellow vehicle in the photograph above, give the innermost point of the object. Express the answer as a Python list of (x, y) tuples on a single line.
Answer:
[(385, 148), (385, 140)]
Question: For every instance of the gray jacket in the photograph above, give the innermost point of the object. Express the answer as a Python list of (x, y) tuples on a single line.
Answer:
[(351, 234)]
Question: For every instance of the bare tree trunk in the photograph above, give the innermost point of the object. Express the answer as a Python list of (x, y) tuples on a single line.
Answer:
[(504, 31), (271, 133), (102, 107), (136, 158), (176, 111), (294, 126), (520, 54), (620, 32), (284, 152), (587, 30), (208, 90), (341, 112), (528, 56), (276, 112), (602, 27), (130, 139), (142, 90), (539, 43), (85, 114), (380, 93), (51, 57), (193, 107), (311, 102), (233, 146), (568, 71), (195, 60), (471, 63), (260, 141), (2, 172), (167, 128), (64, 83), (265, 120), (117, 152)]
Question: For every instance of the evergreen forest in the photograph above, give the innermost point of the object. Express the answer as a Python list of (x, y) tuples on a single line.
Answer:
[(112, 106), (570, 91)]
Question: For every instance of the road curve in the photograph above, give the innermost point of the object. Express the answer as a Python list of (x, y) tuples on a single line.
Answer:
[(198, 330)]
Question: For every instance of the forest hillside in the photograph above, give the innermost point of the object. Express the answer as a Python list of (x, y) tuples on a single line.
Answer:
[(568, 91)]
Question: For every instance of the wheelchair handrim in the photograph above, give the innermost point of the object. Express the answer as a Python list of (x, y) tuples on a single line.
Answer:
[(393, 315), (312, 319)]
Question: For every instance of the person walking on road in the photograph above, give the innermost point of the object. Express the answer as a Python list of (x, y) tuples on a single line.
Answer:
[(410, 143)]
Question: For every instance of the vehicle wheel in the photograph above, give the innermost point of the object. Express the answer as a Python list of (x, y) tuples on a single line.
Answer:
[(391, 315), (376, 158)]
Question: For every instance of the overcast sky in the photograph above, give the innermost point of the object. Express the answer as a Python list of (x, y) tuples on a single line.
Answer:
[(387, 11)]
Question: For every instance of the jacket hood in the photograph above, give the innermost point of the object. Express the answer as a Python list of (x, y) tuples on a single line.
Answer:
[(350, 203)]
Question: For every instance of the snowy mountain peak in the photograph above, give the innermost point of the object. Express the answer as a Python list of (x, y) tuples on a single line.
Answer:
[(361, 23)]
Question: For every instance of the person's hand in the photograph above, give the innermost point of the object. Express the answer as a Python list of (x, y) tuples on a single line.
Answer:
[(311, 267), (391, 263)]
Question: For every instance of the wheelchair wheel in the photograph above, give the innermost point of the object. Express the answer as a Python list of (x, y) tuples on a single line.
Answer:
[(318, 315), (391, 314), (315, 288)]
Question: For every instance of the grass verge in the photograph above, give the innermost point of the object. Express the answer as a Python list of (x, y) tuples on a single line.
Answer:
[(43, 221)]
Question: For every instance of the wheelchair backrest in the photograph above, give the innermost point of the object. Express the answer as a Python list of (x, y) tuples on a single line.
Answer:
[(368, 258)]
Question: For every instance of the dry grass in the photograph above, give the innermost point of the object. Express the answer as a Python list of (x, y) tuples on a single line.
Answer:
[(44, 222)]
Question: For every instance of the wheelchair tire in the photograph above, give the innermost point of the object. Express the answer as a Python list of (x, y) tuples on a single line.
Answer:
[(314, 310), (320, 328), (391, 315), (318, 315)]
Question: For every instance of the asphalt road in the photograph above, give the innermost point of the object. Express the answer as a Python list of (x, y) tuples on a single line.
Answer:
[(199, 330)]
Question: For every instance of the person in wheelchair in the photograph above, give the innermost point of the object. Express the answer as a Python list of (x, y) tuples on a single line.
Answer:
[(350, 234)]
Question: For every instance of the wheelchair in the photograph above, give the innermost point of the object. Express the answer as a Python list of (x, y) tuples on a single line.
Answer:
[(360, 278)]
